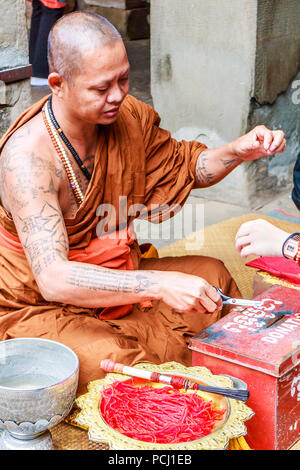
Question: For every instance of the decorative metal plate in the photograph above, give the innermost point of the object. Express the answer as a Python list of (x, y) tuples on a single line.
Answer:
[(233, 425)]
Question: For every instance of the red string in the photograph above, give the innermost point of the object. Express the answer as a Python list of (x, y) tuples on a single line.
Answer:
[(161, 415)]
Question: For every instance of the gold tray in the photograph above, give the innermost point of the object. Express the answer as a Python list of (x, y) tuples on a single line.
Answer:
[(232, 426)]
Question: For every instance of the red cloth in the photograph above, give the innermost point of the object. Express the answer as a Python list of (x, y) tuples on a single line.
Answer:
[(278, 266), (52, 3)]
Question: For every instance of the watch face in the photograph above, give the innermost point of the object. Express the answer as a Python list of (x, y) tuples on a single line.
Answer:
[(291, 248)]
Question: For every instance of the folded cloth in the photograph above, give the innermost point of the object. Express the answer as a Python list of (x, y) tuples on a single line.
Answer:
[(278, 266)]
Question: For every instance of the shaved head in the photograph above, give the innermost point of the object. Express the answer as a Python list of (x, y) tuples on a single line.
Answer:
[(74, 35)]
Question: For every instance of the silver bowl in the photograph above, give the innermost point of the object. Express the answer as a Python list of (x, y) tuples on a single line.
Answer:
[(38, 384)]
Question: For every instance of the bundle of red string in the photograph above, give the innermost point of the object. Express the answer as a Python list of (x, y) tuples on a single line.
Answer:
[(161, 415)]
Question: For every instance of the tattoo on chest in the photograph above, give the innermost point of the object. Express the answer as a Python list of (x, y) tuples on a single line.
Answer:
[(89, 163), (83, 182)]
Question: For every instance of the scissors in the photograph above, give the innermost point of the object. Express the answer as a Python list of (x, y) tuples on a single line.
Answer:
[(244, 302)]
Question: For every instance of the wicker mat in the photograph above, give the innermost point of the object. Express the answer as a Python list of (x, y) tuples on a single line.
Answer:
[(68, 437), (218, 243)]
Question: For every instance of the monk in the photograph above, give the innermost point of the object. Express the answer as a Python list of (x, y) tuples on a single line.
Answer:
[(71, 268)]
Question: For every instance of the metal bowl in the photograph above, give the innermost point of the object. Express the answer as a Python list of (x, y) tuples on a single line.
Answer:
[(38, 384)]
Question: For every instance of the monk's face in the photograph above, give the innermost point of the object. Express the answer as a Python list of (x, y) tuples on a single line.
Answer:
[(97, 91)]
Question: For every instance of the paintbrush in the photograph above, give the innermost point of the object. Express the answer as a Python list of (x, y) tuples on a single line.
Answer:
[(175, 381)]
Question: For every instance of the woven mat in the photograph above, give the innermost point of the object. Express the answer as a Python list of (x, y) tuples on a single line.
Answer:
[(68, 437), (218, 243)]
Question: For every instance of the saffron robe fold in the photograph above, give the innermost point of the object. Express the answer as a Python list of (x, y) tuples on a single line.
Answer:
[(139, 161)]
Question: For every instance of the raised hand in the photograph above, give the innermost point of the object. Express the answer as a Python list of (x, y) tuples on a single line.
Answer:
[(260, 142)]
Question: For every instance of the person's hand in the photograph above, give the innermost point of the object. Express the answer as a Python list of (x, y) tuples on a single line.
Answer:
[(259, 237), (188, 293), (258, 143)]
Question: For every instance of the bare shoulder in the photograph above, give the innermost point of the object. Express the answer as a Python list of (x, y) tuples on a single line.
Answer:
[(29, 187), (28, 165), (30, 144)]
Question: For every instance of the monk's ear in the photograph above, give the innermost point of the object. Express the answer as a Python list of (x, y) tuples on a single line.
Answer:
[(56, 83)]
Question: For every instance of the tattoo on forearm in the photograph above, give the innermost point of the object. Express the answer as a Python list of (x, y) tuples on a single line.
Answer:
[(102, 279), (229, 163), (203, 175)]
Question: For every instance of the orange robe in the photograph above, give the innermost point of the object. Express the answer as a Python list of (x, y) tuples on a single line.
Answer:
[(137, 159)]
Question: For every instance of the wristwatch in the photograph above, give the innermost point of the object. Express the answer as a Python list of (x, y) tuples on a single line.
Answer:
[(291, 246)]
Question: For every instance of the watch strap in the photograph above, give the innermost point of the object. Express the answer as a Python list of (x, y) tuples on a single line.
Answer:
[(290, 247)]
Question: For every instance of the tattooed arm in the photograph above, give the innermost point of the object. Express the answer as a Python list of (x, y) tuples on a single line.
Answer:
[(30, 185), (214, 164)]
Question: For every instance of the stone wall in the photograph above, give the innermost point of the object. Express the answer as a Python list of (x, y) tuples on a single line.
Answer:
[(277, 48), (274, 103), (218, 69), (15, 93), (130, 17)]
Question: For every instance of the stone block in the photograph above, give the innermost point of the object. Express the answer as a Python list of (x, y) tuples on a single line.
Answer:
[(82, 5), (218, 69), (13, 31), (131, 24), (71, 6), (272, 175), (2, 93), (11, 57), (124, 4), (28, 13), (277, 48), (16, 95), (14, 99)]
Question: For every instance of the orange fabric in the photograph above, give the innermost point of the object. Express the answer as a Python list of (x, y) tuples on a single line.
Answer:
[(104, 251), (148, 251), (52, 3), (136, 159), (10, 241), (108, 252)]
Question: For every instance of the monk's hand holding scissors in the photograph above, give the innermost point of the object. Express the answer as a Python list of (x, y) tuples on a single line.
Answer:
[(258, 143), (188, 293)]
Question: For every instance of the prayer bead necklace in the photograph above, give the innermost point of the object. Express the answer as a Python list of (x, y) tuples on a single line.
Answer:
[(66, 140), (63, 156)]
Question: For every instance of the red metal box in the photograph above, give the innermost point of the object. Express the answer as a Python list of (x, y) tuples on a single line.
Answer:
[(262, 348)]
